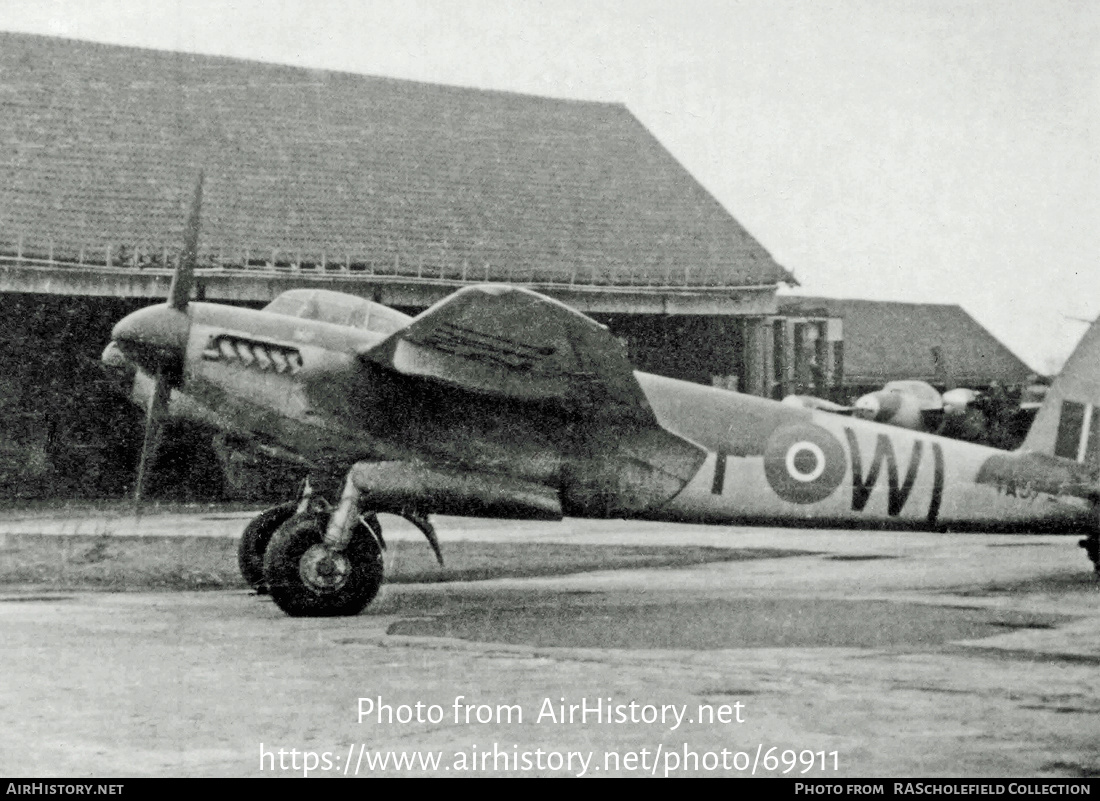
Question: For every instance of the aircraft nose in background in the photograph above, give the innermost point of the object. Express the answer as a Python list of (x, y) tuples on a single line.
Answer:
[(868, 407), (155, 338)]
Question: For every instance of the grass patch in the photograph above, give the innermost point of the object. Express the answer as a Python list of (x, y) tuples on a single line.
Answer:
[(104, 562)]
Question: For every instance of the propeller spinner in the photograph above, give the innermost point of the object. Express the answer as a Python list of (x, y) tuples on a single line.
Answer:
[(155, 339)]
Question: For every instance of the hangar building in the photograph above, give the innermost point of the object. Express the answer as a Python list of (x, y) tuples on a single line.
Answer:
[(394, 190)]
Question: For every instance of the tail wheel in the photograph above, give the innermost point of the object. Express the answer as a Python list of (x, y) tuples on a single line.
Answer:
[(308, 579), (257, 535)]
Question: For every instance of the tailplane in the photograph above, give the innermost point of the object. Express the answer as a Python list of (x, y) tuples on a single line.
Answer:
[(1068, 423)]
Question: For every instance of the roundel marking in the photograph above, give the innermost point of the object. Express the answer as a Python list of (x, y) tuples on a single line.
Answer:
[(804, 463)]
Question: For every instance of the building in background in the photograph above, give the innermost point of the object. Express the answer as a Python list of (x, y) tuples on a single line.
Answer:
[(394, 190), (871, 342)]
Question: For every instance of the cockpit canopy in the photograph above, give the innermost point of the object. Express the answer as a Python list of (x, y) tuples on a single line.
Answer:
[(338, 308)]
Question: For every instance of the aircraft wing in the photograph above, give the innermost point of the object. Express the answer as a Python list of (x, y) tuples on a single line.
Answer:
[(524, 348), (516, 344), (818, 404)]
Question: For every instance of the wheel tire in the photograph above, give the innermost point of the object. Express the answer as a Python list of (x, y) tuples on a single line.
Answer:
[(286, 567), (254, 542)]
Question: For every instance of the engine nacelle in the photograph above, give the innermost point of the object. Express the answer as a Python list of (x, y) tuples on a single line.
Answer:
[(400, 487)]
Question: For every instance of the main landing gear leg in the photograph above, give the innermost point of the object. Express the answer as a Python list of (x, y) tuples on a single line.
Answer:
[(325, 564)]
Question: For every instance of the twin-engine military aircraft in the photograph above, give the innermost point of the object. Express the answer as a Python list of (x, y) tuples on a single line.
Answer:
[(500, 402)]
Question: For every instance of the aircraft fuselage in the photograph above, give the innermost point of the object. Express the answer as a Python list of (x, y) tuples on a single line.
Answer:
[(298, 385), (771, 462)]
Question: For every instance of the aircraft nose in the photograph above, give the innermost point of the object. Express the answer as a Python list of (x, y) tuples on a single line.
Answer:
[(878, 406), (867, 407), (154, 338)]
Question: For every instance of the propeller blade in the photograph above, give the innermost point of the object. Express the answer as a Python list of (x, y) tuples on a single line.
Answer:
[(184, 277), (155, 415), (158, 327)]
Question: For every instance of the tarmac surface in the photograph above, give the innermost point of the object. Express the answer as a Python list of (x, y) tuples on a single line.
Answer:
[(849, 654)]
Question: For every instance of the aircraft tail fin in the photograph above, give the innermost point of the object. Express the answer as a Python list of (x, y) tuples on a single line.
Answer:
[(1068, 422)]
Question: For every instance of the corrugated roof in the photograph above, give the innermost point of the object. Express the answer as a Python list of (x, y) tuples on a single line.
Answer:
[(101, 145), (886, 341)]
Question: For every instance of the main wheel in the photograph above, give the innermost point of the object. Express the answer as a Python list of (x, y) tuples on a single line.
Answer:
[(307, 579), (254, 542)]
